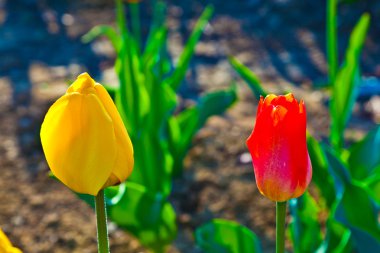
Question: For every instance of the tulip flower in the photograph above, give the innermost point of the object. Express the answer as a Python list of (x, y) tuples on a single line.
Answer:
[(5, 244), (278, 148), (84, 139)]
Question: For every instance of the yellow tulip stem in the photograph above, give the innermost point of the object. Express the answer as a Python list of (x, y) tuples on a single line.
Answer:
[(101, 221), (280, 226)]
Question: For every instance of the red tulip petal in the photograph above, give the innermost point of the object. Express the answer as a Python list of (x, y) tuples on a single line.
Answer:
[(278, 148)]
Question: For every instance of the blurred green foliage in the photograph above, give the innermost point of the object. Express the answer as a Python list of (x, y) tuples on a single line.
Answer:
[(345, 85), (147, 100), (332, 39), (347, 179), (223, 236)]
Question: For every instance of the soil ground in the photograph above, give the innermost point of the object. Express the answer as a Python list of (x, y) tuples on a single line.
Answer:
[(282, 41)]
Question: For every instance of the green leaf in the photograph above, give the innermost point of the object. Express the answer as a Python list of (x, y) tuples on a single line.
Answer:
[(304, 229), (163, 101), (133, 94), (214, 103), (103, 30), (134, 10), (131, 97), (372, 185), (338, 169), (121, 21), (183, 62), (148, 216), (250, 77), (223, 236), (354, 207), (337, 240), (152, 51), (332, 34), (158, 21), (321, 175), (365, 155), (153, 163), (181, 130), (187, 123), (357, 211), (345, 87)]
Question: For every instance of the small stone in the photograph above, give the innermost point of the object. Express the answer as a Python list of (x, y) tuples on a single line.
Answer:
[(245, 158), (112, 227), (67, 19), (373, 107), (36, 200), (184, 218), (18, 220)]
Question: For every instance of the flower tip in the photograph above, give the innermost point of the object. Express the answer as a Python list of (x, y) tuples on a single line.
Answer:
[(289, 96), (302, 106), (86, 79), (84, 75), (269, 99), (82, 82)]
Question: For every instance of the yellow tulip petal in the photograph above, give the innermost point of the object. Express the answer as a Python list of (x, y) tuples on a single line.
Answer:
[(4, 241), (6, 245), (83, 84), (79, 142), (124, 158), (111, 181)]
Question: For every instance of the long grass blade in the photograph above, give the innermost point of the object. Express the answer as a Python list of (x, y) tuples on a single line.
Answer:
[(103, 30), (183, 63), (332, 44), (251, 79), (347, 81)]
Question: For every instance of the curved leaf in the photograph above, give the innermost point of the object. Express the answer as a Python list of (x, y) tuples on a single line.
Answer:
[(365, 155), (153, 163), (250, 77), (337, 240), (148, 216), (357, 211), (321, 176), (354, 207), (345, 86), (185, 125), (304, 229), (103, 30), (223, 236), (183, 62)]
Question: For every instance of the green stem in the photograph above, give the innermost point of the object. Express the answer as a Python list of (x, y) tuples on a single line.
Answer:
[(280, 226), (101, 222)]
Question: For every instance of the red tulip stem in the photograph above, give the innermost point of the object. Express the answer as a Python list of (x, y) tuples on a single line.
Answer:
[(280, 226), (101, 222)]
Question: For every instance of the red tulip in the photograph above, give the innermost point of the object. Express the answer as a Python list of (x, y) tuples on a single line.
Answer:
[(278, 148)]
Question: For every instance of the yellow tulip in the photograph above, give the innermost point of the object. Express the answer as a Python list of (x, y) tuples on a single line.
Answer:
[(84, 139), (6, 245)]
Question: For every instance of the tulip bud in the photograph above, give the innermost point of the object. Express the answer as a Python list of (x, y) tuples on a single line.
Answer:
[(84, 139), (5, 244), (278, 148)]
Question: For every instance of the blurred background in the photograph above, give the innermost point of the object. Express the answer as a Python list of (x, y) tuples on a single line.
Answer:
[(282, 41)]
